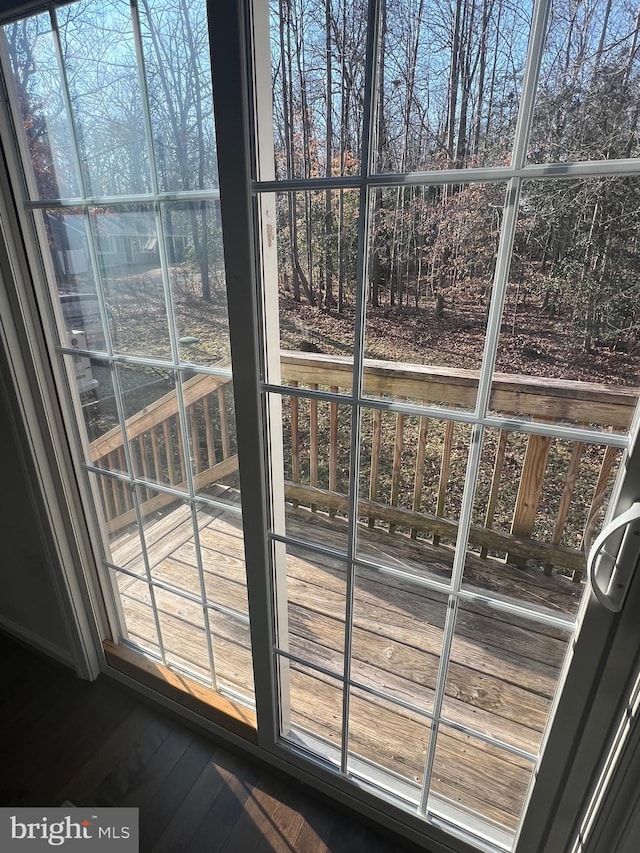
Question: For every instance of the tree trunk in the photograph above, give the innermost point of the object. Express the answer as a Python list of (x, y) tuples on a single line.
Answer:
[(454, 75), (328, 213)]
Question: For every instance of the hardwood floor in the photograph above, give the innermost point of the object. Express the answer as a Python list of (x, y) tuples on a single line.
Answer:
[(96, 744)]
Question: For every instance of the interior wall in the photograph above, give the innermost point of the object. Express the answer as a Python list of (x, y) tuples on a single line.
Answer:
[(29, 607)]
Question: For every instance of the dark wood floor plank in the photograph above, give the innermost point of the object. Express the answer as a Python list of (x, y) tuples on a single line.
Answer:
[(138, 775), (99, 711), (84, 783), (315, 832), (30, 743), (227, 808), (345, 838), (173, 791), (33, 714), (261, 827), (189, 815)]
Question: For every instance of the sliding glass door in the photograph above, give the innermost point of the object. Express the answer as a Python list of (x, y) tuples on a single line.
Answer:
[(449, 310), (372, 267)]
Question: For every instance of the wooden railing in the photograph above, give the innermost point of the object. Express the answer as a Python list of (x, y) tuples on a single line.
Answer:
[(154, 444), (412, 468)]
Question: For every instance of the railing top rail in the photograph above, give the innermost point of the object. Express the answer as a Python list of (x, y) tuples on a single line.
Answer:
[(155, 413), (533, 396), (563, 399)]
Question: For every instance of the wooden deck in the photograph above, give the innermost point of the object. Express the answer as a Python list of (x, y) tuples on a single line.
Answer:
[(501, 678)]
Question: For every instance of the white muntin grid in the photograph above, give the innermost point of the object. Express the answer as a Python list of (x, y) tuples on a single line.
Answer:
[(263, 185), (480, 419)]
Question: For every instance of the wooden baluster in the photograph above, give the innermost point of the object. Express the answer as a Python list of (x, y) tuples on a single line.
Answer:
[(376, 439), (333, 448), (224, 424), (295, 439), (445, 465), (208, 431), (192, 415), (565, 500), (529, 490), (398, 447), (157, 465), (181, 457), (168, 450), (107, 506), (494, 490), (120, 461), (116, 496), (418, 480), (111, 461), (313, 443), (125, 494), (145, 464), (609, 459)]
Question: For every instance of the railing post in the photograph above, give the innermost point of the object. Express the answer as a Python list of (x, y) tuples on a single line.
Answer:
[(529, 490)]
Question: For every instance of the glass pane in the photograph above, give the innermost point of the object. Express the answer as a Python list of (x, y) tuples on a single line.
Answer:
[(571, 326), (167, 525), (587, 83), (137, 621), (317, 235), (105, 96), (386, 737), (316, 439), (479, 779), (503, 675), (432, 260), (44, 120), (83, 324), (176, 52), (153, 425), (183, 634), (317, 69), (92, 379), (450, 77), (538, 504), (397, 636), (311, 708), (222, 555), (412, 473), (212, 442), (115, 499), (231, 642), (193, 248), (315, 597), (126, 244)]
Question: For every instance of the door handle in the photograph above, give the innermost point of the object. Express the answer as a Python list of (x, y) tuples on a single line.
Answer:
[(610, 571)]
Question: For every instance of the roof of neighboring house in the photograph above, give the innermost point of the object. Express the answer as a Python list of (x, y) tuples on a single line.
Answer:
[(111, 224)]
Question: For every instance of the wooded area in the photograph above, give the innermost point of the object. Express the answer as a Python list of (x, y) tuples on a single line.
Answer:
[(447, 94), (449, 79)]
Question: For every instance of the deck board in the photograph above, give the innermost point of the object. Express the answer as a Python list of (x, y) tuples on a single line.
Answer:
[(501, 677)]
